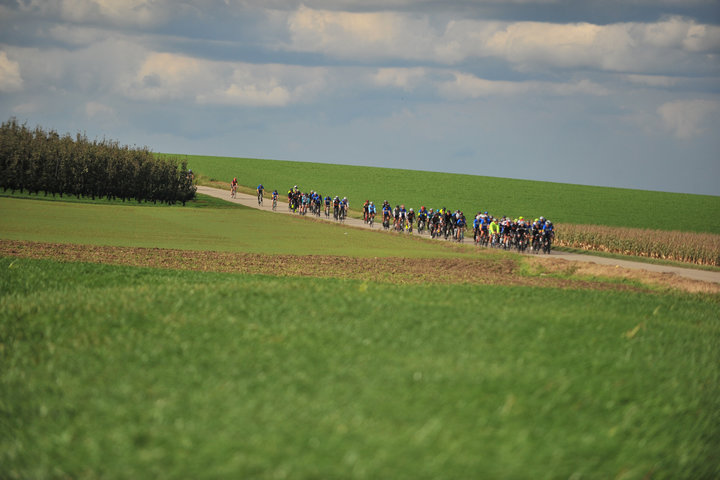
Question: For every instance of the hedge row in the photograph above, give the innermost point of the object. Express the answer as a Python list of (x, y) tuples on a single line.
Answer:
[(37, 161)]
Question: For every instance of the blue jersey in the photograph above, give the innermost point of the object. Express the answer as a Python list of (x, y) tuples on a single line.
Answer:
[(371, 208)]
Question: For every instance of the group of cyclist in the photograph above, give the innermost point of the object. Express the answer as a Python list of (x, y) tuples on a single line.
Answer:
[(503, 232), (312, 202)]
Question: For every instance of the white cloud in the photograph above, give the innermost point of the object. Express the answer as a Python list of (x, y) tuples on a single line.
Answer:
[(10, 78), (405, 78), (687, 119), (360, 35), (116, 12), (465, 86), (633, 47), (172, 77)]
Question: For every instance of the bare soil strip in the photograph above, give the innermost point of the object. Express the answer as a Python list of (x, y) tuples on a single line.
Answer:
[(395, 270)]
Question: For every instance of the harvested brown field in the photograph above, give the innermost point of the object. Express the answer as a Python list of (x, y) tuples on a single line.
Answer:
[(543, 272)]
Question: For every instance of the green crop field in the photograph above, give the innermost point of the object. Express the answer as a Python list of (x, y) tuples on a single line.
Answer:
[(563, 203), (116, 371), (120, 372)]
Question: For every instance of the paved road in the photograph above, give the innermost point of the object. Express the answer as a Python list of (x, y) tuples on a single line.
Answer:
[(703, 275)]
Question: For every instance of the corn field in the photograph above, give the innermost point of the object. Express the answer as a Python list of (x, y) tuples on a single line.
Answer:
[(688, 247), (37, 161)]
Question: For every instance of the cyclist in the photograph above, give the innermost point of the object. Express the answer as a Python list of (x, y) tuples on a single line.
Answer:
[(494, 231), (336, 207), (403, 217), (233, 187), (460, 222), (549, 229), (344, 206), (275, 199), (422, 218), (365, 210), (536, 235), (371, 213), (476, 228), (328, 200), (448, 222), (396, 214), (387, 213), (260, 190), (435, 223), (410, 220)]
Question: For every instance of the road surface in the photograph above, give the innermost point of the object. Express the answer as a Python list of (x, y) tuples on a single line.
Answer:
[(694, 274)]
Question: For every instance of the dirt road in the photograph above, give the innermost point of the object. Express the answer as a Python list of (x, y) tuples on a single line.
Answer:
[(702, 275)]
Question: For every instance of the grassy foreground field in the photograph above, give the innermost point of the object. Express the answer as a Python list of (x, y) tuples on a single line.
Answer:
[(563, 203), (124, 372)]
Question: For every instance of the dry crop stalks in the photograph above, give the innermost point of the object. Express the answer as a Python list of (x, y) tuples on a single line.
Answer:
[(688, 247)]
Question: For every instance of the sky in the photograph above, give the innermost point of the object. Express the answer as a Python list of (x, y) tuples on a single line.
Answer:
[(621, 93)]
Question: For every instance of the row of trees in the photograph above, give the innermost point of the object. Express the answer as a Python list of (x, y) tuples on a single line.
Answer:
[(37, 161)]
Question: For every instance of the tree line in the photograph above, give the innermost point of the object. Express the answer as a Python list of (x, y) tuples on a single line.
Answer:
[(35, 161)]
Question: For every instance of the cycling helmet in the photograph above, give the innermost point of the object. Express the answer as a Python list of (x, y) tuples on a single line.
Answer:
[(411, 209)]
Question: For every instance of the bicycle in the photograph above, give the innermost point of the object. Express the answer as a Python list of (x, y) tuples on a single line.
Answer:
[(260, 198), (233, 191), (274, 206)]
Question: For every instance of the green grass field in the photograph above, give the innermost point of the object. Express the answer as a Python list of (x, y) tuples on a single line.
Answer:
[(235, 229), (120, 372), (563, 203)]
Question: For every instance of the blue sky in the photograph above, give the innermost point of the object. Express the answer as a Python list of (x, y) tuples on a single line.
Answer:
[(621, 93)]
